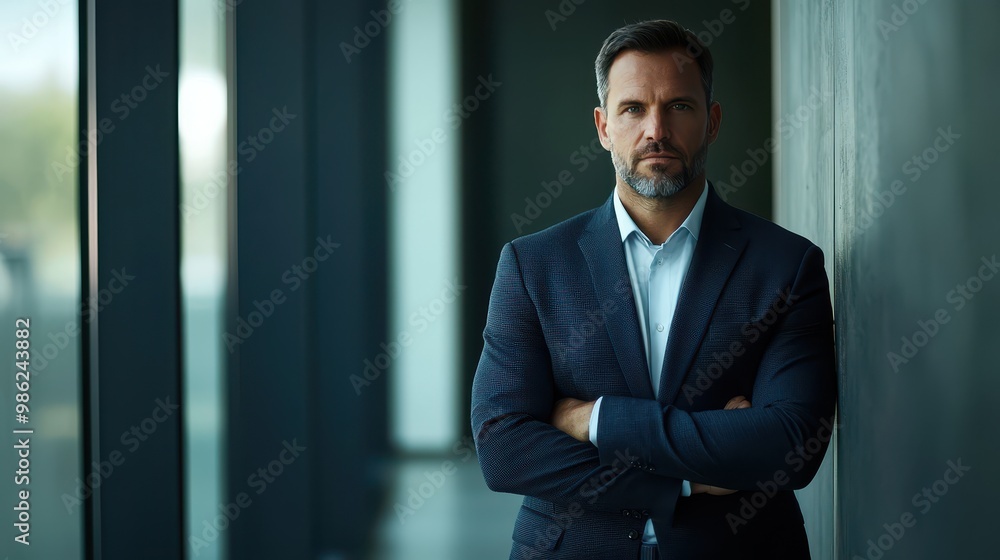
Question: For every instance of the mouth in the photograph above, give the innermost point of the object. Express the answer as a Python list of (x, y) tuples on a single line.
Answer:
[(659, 157)]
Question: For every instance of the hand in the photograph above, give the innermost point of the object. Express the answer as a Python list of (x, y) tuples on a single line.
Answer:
[(737, 402), (696, 488), (573, 417)]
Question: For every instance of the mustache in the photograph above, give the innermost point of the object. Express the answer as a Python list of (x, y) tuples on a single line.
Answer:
[(659, 148)]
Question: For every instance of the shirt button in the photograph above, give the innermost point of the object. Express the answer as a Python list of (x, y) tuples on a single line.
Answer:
[(633, 534), (659, 261), (659, 327)]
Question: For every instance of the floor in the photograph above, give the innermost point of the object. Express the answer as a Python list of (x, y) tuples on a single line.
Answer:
[(441, 509)]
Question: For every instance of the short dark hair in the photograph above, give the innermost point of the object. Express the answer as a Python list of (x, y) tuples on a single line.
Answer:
[(652, 36)]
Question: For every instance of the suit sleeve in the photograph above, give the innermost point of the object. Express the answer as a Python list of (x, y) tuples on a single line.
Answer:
[(793, 400), (512, 398)]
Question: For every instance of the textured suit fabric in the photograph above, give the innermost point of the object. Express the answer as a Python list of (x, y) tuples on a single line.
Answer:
[(753, 318)]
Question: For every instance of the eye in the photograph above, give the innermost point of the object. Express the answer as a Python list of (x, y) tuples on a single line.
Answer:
[(633, 109), (681, 106)]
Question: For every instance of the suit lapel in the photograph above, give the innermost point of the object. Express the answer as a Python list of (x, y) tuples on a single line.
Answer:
[(719, 247), (602, 248)]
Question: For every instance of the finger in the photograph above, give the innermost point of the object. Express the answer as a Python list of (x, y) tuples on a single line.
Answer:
[(743, 404), (734, 402)]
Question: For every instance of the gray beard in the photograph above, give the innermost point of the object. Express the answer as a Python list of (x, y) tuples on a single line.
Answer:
[(661, 185)]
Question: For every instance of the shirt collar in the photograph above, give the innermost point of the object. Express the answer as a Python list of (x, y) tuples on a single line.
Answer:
[(692, 223)]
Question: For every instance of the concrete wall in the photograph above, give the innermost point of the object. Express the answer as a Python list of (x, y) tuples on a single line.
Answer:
[(804, 185), (896, 178)]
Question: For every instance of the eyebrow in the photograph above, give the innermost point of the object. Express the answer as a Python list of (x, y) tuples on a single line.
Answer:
[(671, 101)]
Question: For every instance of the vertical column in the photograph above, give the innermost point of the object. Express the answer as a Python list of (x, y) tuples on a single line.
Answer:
[(306, 442), (348, 143), (132, 370), (277, 257), (422, 351)]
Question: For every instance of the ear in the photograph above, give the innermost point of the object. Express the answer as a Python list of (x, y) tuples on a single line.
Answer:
[(714, 121), (601, 122)]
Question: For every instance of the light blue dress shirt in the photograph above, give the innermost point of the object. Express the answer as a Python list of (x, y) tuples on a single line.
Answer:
[(656, 273)]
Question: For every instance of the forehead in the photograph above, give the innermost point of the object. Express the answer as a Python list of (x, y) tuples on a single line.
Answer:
[(671, 72)]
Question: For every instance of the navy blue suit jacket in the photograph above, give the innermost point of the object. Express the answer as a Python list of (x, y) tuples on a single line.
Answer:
[(753, 318)]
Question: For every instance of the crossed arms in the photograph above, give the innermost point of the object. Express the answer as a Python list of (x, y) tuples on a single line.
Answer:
[(522, 452)]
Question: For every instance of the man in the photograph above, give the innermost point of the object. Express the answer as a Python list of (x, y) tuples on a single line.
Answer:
[(653, 368)]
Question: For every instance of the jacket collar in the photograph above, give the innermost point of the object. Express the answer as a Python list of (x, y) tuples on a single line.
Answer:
[(720, 243)]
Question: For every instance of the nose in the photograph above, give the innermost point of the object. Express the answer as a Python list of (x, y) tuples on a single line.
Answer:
[(657, 127)]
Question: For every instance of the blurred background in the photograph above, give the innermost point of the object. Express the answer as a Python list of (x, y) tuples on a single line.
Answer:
[(253, 242)]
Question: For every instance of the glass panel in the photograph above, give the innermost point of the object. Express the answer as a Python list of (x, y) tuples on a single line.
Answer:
[(40, 147), (423, 210), (202, 127)]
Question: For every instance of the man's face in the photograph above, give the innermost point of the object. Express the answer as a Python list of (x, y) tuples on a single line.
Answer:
[(656, 123)]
